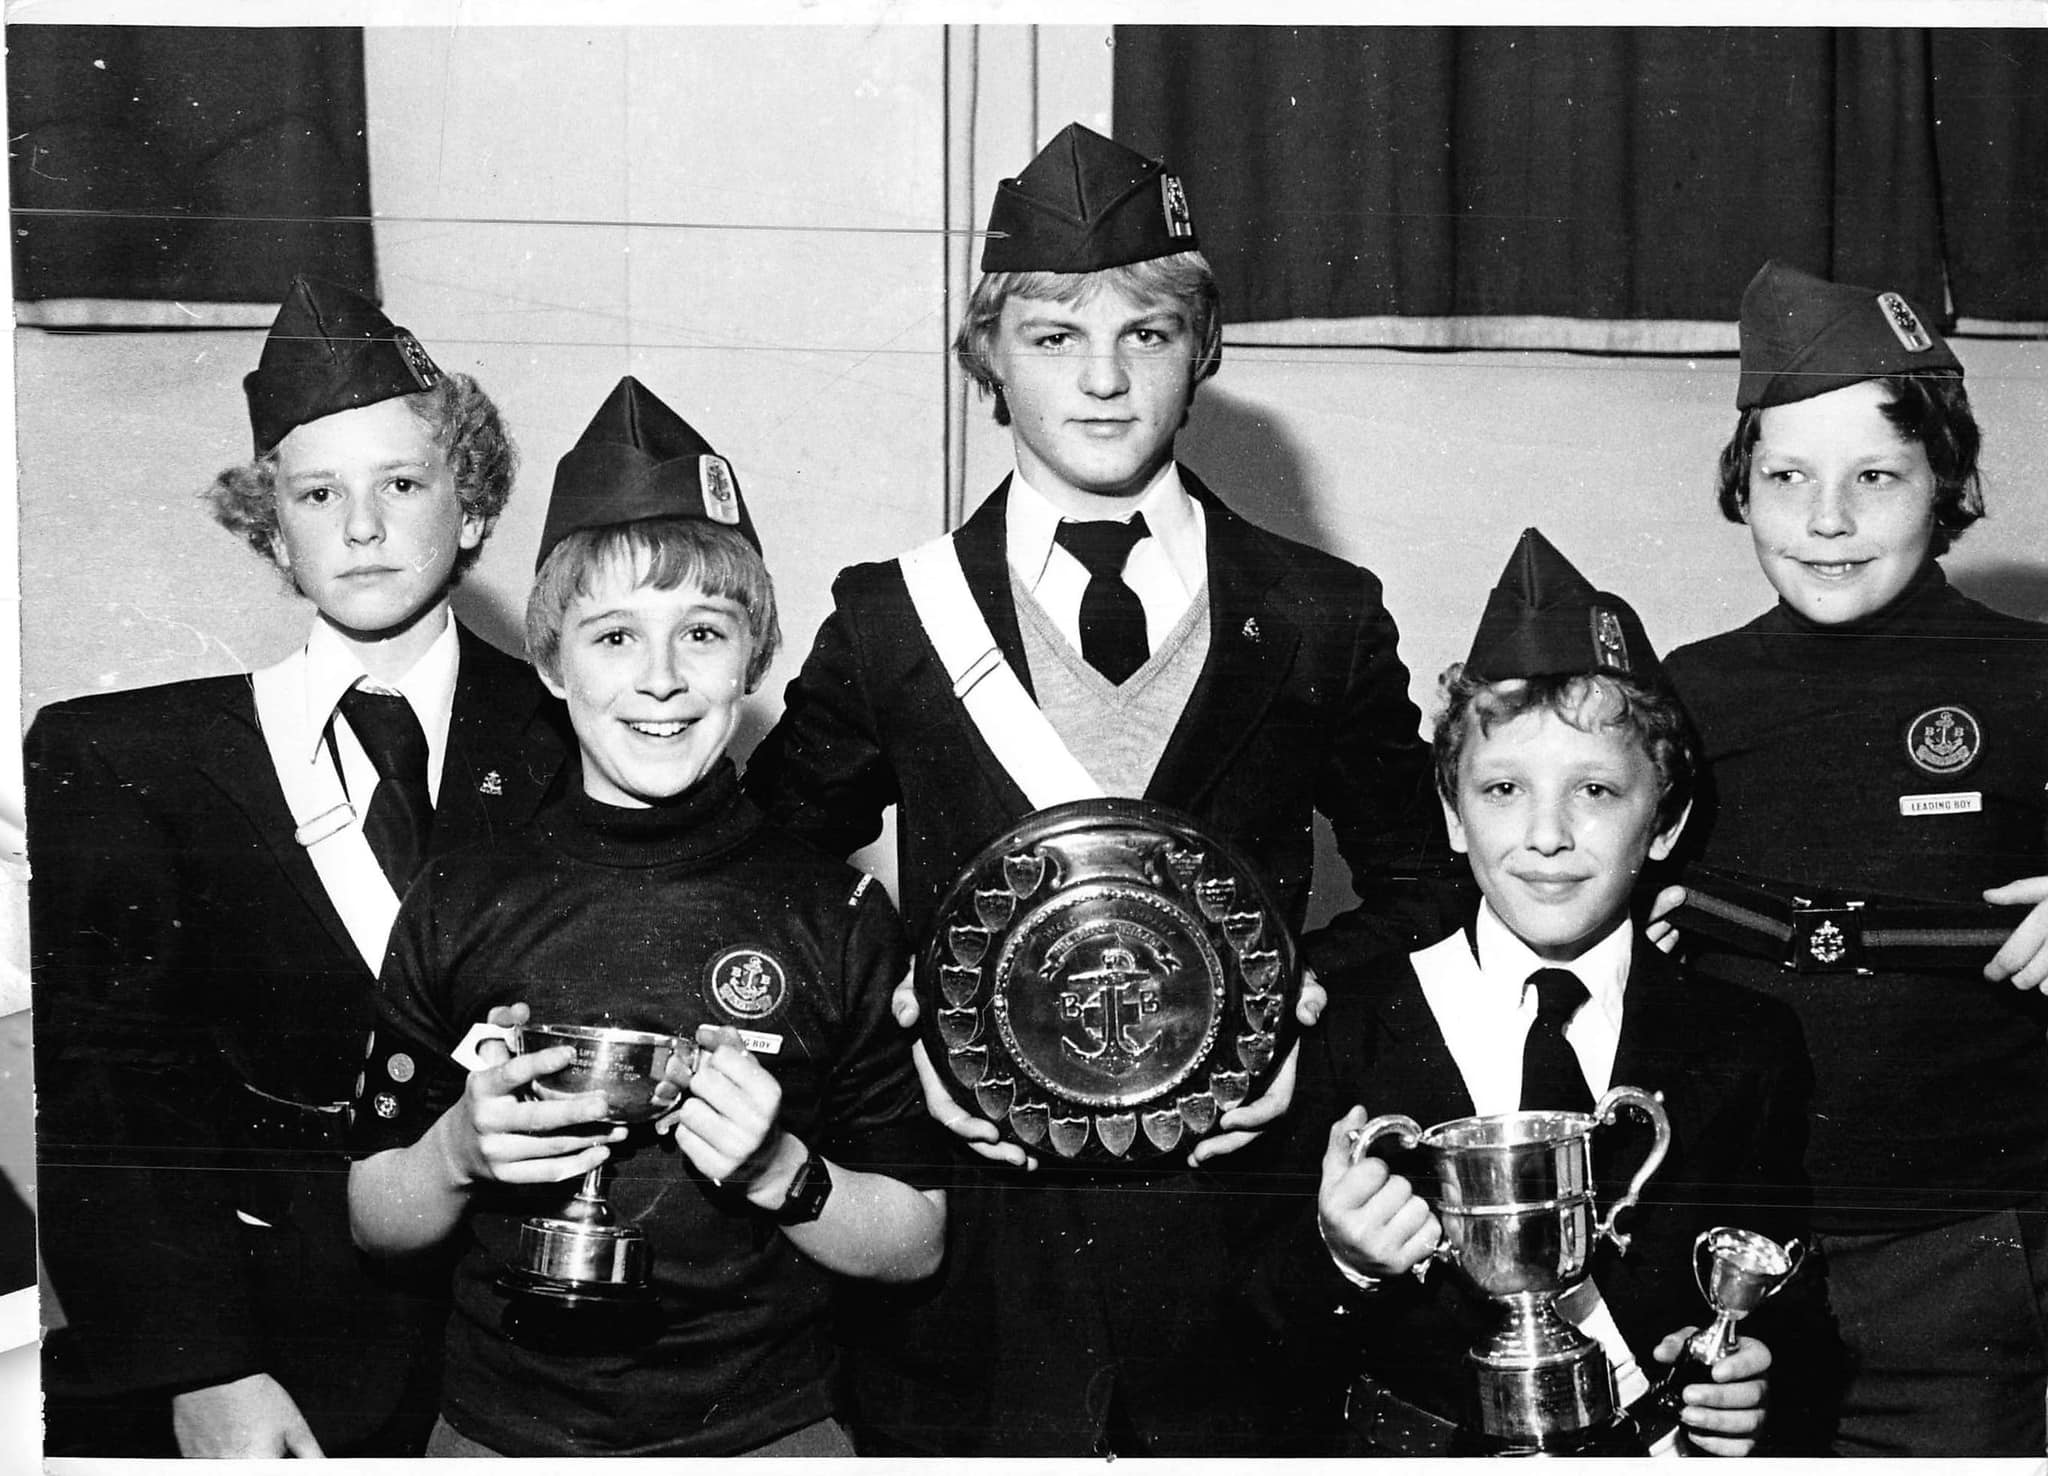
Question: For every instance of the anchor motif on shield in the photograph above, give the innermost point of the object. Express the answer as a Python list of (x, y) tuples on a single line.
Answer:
[(1109, 1004)]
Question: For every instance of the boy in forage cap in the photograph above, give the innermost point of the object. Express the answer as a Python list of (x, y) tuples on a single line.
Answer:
[(1153, 644), (217, 863), (1878, 747), (658, 898), (1565, 766)]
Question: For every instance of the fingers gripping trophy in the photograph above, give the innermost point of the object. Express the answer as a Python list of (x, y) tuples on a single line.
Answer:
[(1514, 1194)]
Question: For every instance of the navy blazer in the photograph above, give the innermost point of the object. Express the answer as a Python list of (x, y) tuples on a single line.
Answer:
[(1058, 1289), (1302, 707), (1736, 1080), (185, 952)]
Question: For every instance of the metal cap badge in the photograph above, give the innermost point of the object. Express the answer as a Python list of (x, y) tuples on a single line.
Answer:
[(1085, 204), (639, 459), (329, 350), (1804, 336), (1544, 618)]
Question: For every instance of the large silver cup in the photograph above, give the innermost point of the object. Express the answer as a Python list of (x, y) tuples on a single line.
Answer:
[(580, 1254), (1514, 1194)]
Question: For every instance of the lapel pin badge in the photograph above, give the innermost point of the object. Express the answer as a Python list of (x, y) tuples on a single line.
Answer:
[(1251, 627), (494, 784)]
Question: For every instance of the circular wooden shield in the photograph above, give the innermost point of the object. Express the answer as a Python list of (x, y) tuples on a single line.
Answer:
[(1105, 981)]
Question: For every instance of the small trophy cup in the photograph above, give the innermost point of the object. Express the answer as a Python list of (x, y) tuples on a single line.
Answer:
[(1737, 1271), (580, 1256), (1514, 1193)]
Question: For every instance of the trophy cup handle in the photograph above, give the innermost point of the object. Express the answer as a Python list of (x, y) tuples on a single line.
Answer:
[(466, 1054), (1407, 1129), (1795, 1252), (1651, 1105)]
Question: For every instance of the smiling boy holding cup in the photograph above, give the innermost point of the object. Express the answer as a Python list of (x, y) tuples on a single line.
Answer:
[(655, 899)]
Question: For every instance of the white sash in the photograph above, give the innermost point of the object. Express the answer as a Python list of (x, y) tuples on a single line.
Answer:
[(326, 822), (1022, 738)]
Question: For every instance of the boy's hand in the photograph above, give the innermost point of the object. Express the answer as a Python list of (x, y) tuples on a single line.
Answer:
[(253, 1418), (1659, 931), (496, 1133), (726, 1127), (1724, 1417), (1371, 1218), (2024, 957), (1244, 1122), (977, 1132)]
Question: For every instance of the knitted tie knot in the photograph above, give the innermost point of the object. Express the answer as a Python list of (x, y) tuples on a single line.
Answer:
[(1559, 993), (1102, 548), (384, 723)]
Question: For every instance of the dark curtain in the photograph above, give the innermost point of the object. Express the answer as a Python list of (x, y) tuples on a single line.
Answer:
[(186, 163), (1341, 172)]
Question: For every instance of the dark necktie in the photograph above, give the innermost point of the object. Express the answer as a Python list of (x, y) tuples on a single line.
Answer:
[(401, 811), (1551, 1078), (1112, 618)]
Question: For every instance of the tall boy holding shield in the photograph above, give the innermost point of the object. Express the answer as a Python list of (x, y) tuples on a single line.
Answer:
[(1142, 640)]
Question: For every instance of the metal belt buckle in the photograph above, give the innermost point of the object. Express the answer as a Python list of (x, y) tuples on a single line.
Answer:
[(1826, 940)]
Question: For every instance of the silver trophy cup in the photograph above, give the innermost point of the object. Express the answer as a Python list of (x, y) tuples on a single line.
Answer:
[(1737, 1271), (581, 1255), (1514, 1194)]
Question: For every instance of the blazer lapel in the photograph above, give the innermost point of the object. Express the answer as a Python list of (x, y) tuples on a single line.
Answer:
[(1653, 1028), (982, 545), (237, 763), (1252, 639), (504, 751), (1413, 1071)]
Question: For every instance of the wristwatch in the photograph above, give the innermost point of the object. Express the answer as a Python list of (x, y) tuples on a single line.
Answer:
[(808, 1192)]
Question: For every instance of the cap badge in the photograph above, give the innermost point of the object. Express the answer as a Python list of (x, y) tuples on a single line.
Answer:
[(1944, 741), (493, 784), (1904, 323), (1610, 645), (385, 1105), (425, 372), (721, 498), (1180, 221), (748, 983)]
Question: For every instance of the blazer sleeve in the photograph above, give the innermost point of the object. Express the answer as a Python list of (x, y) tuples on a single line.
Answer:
[(137, 1224), (823, 771), (1377, 790)]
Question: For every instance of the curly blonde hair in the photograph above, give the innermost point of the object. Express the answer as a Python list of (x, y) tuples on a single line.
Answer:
[(466, 426)]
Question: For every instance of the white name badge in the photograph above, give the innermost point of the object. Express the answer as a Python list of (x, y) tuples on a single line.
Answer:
[(1969, 803)]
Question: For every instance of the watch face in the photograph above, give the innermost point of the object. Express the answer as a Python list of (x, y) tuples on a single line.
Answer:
[(807, 1193)]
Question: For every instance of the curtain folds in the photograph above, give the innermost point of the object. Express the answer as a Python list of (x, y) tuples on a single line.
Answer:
[(1576, 173)]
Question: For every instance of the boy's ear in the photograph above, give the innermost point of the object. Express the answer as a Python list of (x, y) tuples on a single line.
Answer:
[(1661, 844), (549, 680), (1453, 825), (474, 527)]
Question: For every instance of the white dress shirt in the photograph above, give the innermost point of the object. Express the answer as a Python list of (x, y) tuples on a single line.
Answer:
[(1476, 985), (1164, 570), (429, 687)]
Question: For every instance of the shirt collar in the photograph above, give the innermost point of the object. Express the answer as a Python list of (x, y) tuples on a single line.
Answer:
[(1506, 962), (332, 668), (1030, 521)]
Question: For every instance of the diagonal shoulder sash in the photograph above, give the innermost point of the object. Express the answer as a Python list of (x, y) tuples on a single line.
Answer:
[(326, 822), (1022, 738)]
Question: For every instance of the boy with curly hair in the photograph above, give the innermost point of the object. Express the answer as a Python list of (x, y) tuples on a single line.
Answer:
[(216, 867)]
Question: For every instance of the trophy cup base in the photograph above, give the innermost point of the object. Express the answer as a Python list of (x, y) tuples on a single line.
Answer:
[(1554, 1404), (564, 1257)]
